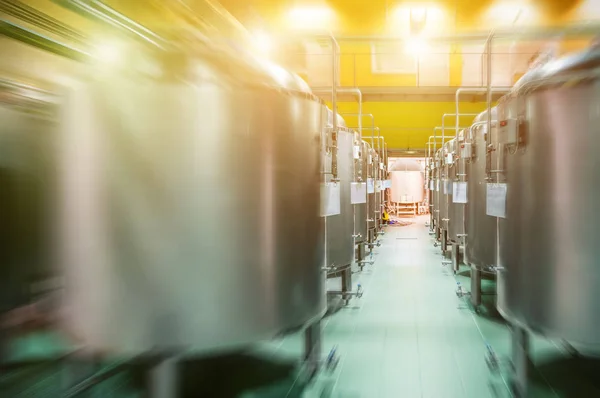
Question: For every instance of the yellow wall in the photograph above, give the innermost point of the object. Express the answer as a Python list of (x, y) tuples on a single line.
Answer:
[(408, 124)]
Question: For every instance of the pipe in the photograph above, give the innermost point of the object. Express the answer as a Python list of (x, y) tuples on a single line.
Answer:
[(27, 36), (589, 29), (360, 124), (489, 88), (443, 127), (475, 90), (99, 11), (355, 91)]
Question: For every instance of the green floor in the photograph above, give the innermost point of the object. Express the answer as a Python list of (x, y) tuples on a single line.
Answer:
[(408, 336)]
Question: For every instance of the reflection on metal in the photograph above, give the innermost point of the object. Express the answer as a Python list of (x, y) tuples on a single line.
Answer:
[(481, 228), (148, 246), (549, 245)]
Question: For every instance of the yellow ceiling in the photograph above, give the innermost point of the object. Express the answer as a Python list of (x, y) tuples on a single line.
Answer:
[(354, 17)]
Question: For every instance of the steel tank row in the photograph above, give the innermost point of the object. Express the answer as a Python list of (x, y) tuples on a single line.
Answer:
[(156, 190), (530, 215)]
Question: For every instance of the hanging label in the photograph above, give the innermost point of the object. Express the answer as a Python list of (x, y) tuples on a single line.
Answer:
[(370, 185), (449, 159), (437, 185), (387, 184), (459, 192), (445, 187), (330, 199), (431, 185), (378, 186), (358, 192), (356, 152), (496, 200), (381, 165)]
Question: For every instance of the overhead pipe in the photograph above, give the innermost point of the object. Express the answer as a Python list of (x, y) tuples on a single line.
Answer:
[(589, 29), (31, 38), (455, 115), (372, 128), (342, 90), (36, 18), (97, 10)]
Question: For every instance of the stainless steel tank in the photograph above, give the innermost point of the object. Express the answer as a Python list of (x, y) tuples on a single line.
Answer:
[(549, 126), (444, 191), (480, 248), (456, 177), (340, 227), (190, 204), (407, 182), (435, 176), (27, 180), (360, 177), (371, 197)]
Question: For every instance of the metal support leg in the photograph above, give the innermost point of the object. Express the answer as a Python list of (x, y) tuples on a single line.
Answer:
[(438, 234), (77, 368), (346, 284), (312, 348), (455, 257), (521, 361), (475, 286), (361, 255), (444, 244), (164, 379)]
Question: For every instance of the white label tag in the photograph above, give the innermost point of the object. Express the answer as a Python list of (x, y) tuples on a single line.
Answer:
[(387, 184), (431, 185), (358, 192), (449, 159), (445, 187), (437, 185), (381, 165), (459, 192), (330, 199), (356, 152), (378, 186), (370, 185), (496, 200)]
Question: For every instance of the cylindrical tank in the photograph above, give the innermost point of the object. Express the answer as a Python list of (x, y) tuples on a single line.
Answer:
[(407, 182), (190, 204), (27, 180), (371, 197), (437, 186), (549, 244), (444, 191), (378, 173), (340, 227), (361, 175), (481, 229), (456, 205)]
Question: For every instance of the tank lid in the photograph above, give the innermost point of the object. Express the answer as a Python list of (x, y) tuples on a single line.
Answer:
[(340, 120), (482, 117), (406, 165), (577, 65)]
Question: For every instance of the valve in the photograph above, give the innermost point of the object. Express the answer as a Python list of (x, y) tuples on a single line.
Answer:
[(359, 290), (460, 292)]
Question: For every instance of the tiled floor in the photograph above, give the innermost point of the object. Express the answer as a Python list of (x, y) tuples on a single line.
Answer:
[(411, 336), (408, 336)]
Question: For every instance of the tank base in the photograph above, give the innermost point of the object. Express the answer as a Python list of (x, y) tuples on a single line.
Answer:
[(164, 378), (455, 256), (475, 286), (444, 239), (312, 348)]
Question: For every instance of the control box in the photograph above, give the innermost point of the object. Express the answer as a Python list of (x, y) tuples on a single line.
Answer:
[(466, 150)]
